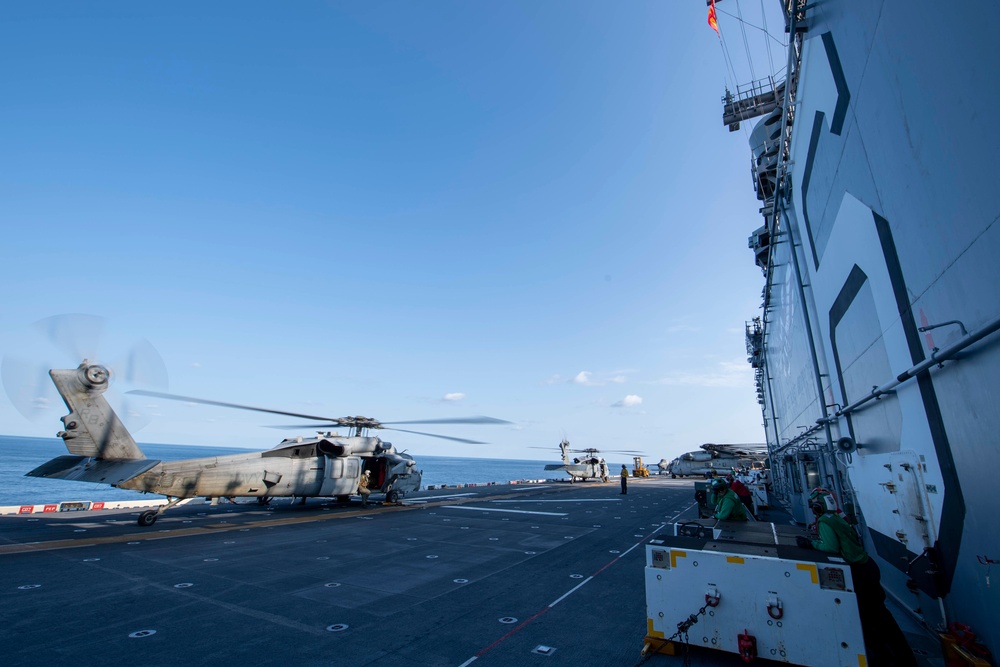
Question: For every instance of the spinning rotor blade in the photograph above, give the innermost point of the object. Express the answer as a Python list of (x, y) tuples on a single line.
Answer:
[(299, 427), (443, 437), (54, 342), (63, 341), (223, 404), (76, 334), (28, 387), (333, 422), (456, 420)]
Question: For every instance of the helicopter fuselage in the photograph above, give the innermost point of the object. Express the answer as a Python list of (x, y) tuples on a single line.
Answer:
[(300, 469), (103, 451), (586, 470), (588, 467)]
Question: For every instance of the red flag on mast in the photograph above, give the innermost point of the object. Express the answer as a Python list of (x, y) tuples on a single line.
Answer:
[(712, 20)]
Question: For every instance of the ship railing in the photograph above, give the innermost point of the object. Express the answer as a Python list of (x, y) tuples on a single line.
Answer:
[(750, 101), (937, 358)]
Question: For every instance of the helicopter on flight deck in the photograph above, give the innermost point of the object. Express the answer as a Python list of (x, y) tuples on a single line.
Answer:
[(588, 466), (102, 450), (714, 459)]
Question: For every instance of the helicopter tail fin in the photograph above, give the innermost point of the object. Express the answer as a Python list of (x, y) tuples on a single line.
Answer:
[(563, 448), (92, 428)]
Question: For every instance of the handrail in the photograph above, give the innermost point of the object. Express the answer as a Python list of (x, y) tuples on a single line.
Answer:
[(938, 357)]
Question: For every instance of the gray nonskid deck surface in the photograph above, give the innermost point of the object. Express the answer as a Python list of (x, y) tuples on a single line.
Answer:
[(480, 579)]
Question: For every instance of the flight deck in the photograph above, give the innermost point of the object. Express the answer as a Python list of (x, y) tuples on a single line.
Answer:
[(548, 573)]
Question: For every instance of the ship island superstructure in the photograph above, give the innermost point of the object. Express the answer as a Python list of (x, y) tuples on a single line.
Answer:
[(875, 351)]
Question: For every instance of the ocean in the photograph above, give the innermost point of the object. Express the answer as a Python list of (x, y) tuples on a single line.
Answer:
[(18, 455)]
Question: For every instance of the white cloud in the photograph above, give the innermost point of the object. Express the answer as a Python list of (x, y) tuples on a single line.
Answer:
[(196, 365), (589, 379), (456, 396), (721, 374), (629, 401)]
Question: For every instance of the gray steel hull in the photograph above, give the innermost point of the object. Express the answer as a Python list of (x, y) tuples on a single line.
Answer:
[(884, 254)]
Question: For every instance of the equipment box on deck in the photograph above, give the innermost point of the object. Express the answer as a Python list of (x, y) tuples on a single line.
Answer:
[(752, 591)]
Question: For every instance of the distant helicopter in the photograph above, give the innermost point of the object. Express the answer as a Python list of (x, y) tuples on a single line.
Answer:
[(327, 465), (713, 458), (589, 466)]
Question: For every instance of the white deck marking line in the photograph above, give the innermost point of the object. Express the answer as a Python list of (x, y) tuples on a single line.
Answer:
[(620, 556), (635, 545), (574, 589), (454, 495), (682, 511), (578, 500), (570, 592), (494, 509), (656, 530)]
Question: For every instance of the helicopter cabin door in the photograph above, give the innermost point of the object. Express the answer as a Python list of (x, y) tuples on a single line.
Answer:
[(341, 476), (379, 469)]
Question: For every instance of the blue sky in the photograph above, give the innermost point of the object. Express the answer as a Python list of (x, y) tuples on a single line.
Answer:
[(405, 210)]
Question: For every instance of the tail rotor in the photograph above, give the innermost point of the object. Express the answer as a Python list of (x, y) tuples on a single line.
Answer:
[(64, 341)]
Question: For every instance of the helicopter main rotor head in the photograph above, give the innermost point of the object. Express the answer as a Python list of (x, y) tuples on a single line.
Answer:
[(358, 422)]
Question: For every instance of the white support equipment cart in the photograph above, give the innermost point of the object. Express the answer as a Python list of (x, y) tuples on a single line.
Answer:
[(752, 592)]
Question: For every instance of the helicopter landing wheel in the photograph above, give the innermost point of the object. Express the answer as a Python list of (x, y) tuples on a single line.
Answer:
[(263, 500), (147, 518), (393, 496), (605, 479)]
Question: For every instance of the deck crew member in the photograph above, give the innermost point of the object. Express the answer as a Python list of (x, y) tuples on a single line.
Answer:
[(727, 506), (363, 487), (742, 492), (624, 474), (885, 643)]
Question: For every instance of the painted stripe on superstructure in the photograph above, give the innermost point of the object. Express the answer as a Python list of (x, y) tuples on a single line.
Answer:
[(843, 92), (806, 178), (953, 504)]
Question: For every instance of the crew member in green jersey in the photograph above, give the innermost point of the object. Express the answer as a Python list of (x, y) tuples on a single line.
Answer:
[(885, 643)]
